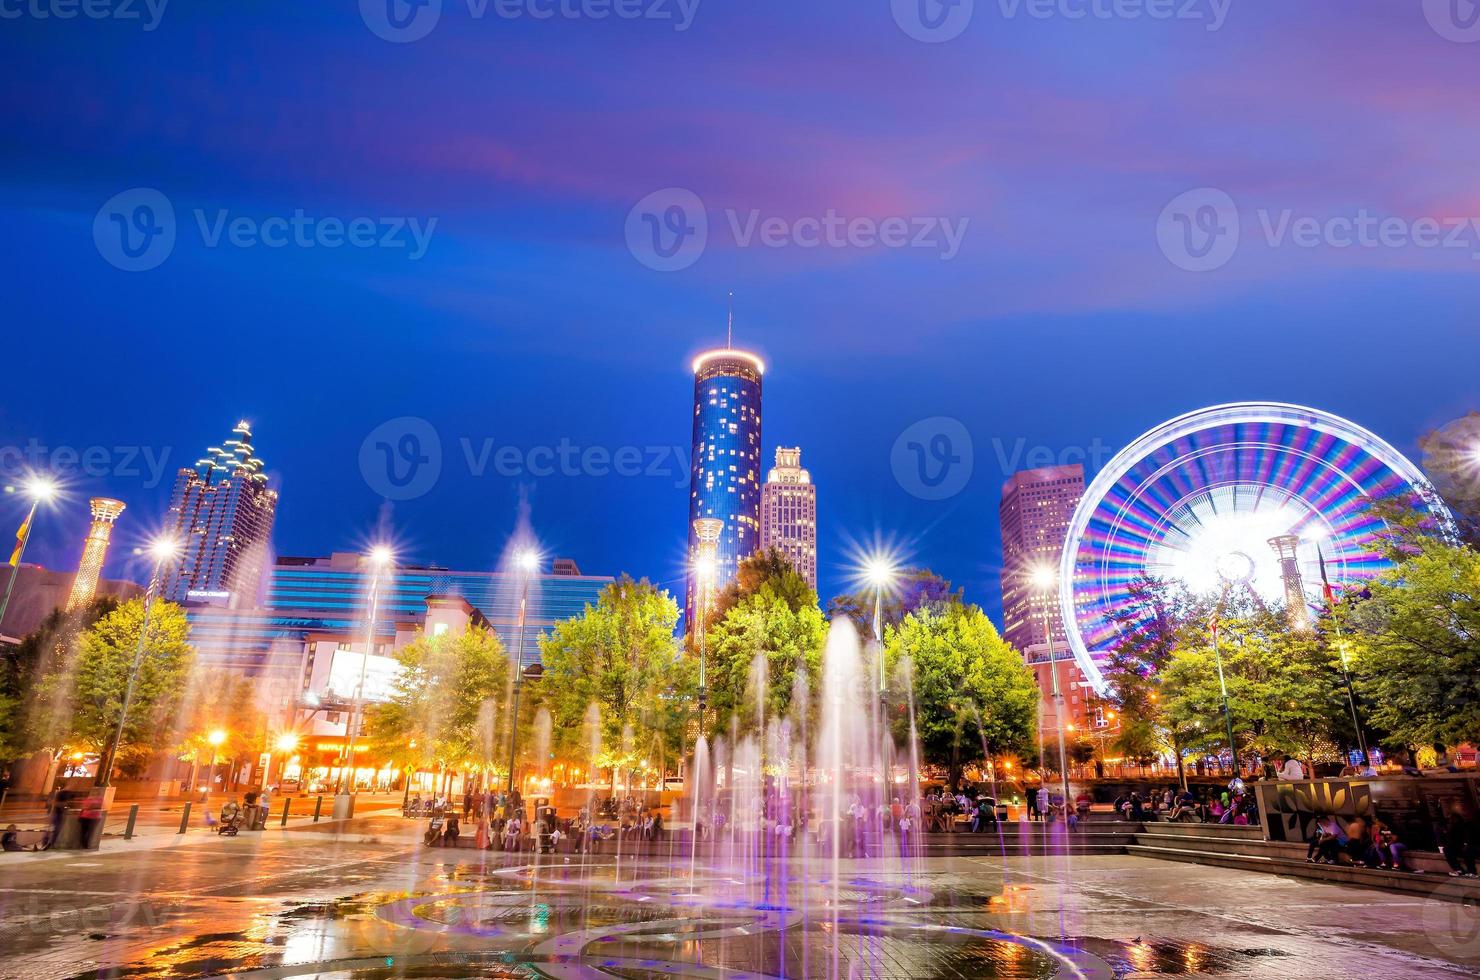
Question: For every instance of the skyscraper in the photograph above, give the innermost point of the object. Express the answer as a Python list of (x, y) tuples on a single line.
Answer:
[(222, 514), (1036, 508), (725, 481), (94, 551), (789, 513)]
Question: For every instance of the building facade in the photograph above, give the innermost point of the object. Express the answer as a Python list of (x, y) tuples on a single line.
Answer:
[(222, 513), (39, 591), (725, 481), (789, 513), (1036, 510)]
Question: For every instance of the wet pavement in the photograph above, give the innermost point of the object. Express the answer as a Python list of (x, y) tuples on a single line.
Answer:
[(365, 900)]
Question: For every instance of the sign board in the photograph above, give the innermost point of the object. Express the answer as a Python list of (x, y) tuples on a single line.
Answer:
[(380, 675)]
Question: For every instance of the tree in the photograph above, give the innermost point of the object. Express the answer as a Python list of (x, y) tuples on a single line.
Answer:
[(448, 708), (27, 722), (1285, 691), (620, 655), (916, 589), (1415, 644), (769, 569), (764, 625), (93, 690), (969, 685)]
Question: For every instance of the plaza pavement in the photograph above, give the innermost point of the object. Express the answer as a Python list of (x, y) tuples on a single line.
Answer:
[(339, 899)]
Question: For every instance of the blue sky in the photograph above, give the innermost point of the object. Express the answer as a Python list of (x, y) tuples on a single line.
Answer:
[(1067, 321)]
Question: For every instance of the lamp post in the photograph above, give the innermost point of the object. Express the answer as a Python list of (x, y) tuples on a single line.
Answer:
[(881, 574), (1223, 688), (215, 739), (707, 531), (162, 551), (1047, 581), (40, 490), (380, 558), (528, 563)]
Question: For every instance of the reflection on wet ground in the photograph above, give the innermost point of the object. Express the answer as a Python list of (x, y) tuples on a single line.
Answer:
[(357, 907)]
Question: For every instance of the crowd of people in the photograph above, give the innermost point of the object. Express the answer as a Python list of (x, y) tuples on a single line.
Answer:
[(504, 822)]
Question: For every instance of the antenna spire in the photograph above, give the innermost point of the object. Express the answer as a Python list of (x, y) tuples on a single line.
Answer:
[(730, 326)]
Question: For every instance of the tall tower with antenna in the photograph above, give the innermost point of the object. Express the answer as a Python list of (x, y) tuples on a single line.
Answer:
[(726, 476), (105, 513), (1287, 550)]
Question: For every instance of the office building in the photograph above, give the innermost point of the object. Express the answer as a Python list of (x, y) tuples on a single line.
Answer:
[(725, 481), (222, 513), (789, 513)]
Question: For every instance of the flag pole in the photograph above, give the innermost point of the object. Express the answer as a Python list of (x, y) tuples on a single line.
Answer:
[(1346, 673)]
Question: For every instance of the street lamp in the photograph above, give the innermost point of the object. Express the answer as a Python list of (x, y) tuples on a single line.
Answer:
[(1223, 688), (707, 531), (161, 550), (41, 490), (381, 557), (882, 574), (1047, 582), (527, 562)]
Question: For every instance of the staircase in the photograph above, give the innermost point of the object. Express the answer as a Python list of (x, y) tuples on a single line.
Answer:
[(1245, 849)]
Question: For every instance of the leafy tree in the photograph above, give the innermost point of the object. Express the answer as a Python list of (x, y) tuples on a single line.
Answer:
[(769, 569), (26, 721), (621, 656), (969, 685), (917, 589), (1415, 642), (93, 690), (448, 709), (787, 638), (1285, 690)]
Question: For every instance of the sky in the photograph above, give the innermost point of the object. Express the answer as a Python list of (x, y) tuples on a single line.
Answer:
[(1036, 227)]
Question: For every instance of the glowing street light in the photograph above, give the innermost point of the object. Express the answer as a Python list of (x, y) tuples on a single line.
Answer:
[(287, 742), (1046, 580), (162, 549), (527, 561), (216, 738), (882, 573), (380, 558), (42, 490)]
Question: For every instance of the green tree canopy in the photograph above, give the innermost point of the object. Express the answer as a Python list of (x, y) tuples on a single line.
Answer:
[(916, 589), (93, 689), (1415, 644), (621, 656), (449, 706), (28, 721), (969, 684), (787, 637)]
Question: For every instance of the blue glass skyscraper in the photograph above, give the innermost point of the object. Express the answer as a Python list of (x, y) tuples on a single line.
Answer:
[(725, 481)]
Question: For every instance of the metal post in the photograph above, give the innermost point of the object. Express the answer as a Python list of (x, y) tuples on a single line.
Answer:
[(518, 679), (318, 805), (1058, 697), (15, 570), (879, 632), (105, 764), (357, 709), (287, 804), (184, 817), (1223, 687), (128, 828)]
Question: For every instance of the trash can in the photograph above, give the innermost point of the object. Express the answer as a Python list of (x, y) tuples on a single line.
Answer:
[(344, 806), (79, 830)]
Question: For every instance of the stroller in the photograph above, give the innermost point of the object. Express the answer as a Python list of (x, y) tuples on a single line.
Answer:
[(231, 819)]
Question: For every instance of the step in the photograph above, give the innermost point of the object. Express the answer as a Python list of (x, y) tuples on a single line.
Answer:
[(1429, 885)]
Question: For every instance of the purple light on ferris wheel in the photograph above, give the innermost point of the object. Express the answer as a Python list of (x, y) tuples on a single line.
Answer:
[(1202, 498)]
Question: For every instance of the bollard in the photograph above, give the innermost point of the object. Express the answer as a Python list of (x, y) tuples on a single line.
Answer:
[(128, 828), (287, 802), (318, 804), (185, 817)]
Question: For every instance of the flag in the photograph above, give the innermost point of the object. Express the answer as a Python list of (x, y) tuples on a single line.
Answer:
[(1326, 589), (20, 542)]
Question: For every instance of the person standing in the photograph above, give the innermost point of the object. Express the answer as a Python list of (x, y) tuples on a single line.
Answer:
[(1032, 802)]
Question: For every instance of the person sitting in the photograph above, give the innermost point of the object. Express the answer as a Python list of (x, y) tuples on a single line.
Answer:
[(1082, 803), (985, 815), (512, 832), (1326, 841), (10, 840), (1290, 769), (1183, 807), (433, 835), (451, 832), (1358, 849), (1387, 848)]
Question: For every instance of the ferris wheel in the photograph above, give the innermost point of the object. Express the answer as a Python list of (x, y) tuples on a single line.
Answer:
[(1254, 496)]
